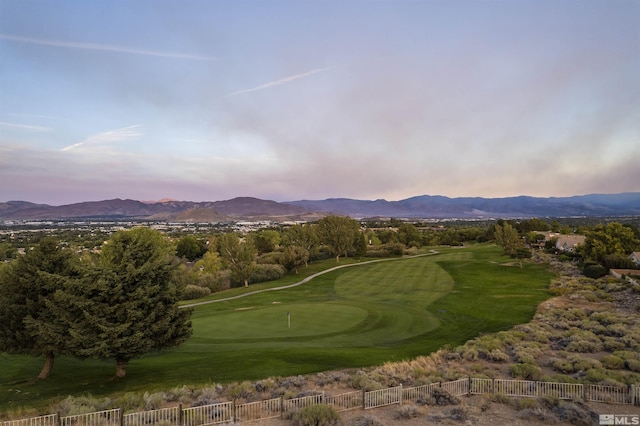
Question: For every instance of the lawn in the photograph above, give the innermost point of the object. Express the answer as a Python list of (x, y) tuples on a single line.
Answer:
[(355, 316)]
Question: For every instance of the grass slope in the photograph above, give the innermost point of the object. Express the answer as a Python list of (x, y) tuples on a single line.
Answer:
[(351, 317)]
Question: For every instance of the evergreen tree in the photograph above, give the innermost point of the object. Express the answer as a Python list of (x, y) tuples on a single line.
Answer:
[(30, 321), (126, 304)]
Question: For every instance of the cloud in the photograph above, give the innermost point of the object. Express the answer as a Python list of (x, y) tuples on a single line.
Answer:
[(25, 127), (116, 135), (280, 81), (105, 47)]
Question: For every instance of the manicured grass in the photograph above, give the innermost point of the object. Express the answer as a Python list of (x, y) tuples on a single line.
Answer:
[(356, 316)]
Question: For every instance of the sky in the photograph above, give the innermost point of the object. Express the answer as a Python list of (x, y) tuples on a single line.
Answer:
[(200, 100)]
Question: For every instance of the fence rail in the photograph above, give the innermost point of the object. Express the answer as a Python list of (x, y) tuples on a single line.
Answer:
[(48, 420), (382, 397), (166, 416), (457, 387), (230, 412), (480, 386), (346, 401), (297, 404), (252, 411), (419, 393), (98, 418), (609, 394)]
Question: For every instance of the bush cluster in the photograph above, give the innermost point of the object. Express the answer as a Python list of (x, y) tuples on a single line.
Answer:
[(316, 415)]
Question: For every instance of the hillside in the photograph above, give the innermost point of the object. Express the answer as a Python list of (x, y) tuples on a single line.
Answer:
[(250, 208)]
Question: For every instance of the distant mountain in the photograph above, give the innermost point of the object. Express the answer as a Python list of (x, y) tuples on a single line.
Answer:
[(242, 208), (249, 208), (428, 206)]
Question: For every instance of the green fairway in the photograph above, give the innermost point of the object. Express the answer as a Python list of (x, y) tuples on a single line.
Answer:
[(279, 321), (355, 316)]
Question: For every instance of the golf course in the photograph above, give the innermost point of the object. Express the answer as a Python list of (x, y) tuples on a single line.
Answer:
[(364, 314)]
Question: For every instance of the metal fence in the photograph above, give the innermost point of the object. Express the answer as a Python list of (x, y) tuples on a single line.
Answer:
[(608, 394), (230, 412), (98, 418), (297, 404), (346, 401), (252, 411), (419, 393), (48, 420), (165, 416), (382, 397), (480, 386)]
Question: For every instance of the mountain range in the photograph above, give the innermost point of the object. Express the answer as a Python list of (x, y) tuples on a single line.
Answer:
[(249, 208)]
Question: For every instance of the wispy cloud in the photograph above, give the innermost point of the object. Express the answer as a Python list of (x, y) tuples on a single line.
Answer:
[(116, 135), (105, 47), (280, 81), (25, 127)]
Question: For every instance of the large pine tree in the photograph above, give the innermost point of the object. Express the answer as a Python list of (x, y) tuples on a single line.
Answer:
[(29, 323), (126, 304)]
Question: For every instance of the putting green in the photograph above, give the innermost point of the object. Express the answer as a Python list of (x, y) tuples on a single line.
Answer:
[(280, 321)]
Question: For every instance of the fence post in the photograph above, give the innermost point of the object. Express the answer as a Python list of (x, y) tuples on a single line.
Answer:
[(364, 400), (632, 391), (58, 419), (469, 386), (401, 393), (121, 415), (180, 415)]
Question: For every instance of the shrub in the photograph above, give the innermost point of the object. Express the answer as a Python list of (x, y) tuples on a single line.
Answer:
[(362, 380), (524, 403), (611, 344), (496, 355), (457, 414), (153, 401), (368, 420), (440, 396), (575, 413), (525, 371), (192, 291), (267, 272), (583, 341), (612, 362), (316, 415), (594, 271), (406, 412), (539, 414), (633, 365)]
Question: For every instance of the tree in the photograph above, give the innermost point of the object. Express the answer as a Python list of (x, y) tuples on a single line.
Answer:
[(239, 256), (507, 237), (338, 233), (126, 304), (266, 241), (30, 326), (520, 253), (190, 248), (409, 235), (612, 239), (294, 257), (305, 236)]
